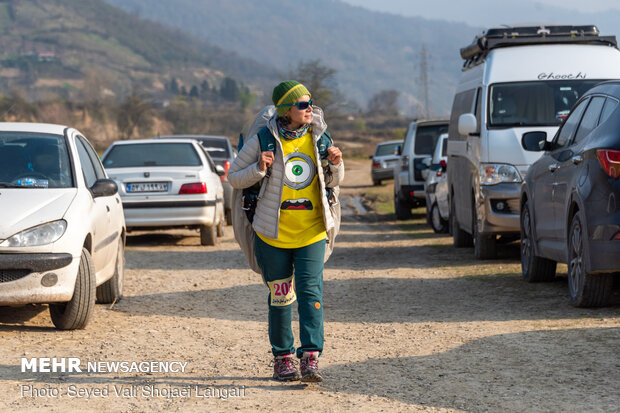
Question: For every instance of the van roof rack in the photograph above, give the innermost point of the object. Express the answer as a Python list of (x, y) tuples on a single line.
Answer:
[(530, 35)]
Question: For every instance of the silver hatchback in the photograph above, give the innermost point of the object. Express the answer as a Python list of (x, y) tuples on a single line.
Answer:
[(383, 161)]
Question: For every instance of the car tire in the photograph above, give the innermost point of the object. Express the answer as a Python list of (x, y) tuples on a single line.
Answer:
[(586, 290), (75, 314), (208, 235), (460, 238), (376, 182), (112, 290), (439, 225), (228, 216), (402, 211), (485, 246), (533, 267), (220, 227)]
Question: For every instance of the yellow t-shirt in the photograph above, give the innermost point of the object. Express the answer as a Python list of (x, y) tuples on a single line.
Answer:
[(301, 211)]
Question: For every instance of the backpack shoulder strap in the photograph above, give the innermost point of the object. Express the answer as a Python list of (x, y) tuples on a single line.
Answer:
[(324, 142), (267, 141)]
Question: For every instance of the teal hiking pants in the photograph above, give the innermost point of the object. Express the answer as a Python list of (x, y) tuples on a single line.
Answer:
[(278, 266)]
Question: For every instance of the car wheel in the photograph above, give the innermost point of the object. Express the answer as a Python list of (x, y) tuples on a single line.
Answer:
[(439, 224), (220, 227), (76, 313), (586, 290), (228, 215), (112, 290), (533, 268), (376, 182), (485, 246), (208, 235), (402, 211), (460, 238)]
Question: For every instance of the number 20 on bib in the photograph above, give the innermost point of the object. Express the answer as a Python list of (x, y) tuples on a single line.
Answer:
[(282, 292)]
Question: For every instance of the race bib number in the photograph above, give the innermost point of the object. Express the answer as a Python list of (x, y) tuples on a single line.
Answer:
[(282, 292)]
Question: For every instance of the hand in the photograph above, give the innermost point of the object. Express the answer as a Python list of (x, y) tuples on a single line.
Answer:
[(265, 160), (334, 155)]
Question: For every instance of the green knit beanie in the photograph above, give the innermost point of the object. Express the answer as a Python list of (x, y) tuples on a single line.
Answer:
[(287, 92)]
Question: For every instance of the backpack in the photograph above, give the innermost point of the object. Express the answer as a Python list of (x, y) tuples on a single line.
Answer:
[(245, 200)]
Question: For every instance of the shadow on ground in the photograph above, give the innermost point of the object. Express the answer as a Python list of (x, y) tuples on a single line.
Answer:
[(506, 372), (385, 300)]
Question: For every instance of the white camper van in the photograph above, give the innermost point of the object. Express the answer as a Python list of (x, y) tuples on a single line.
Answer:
[(515, 80)]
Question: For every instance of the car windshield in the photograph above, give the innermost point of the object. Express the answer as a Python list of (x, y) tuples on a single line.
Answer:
[(426, 138), (386, 148), (217, 148), (542, 103), (152, 154), (34, 160)]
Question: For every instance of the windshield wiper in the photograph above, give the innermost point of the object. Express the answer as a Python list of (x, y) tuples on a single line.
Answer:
[(9, 185)]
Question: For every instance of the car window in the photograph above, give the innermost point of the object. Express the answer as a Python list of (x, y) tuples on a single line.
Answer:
[(444, 148), (426, 138), (608, 109), (209, 160), (217, 148), (570, 124), (539, 103), (90, 176), (152, 154), (386, 148), (590, 118), (35, 160), (93, 157), (463, 103)]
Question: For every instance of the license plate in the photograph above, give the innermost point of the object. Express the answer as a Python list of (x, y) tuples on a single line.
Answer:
[(147, 187), (389, 164)]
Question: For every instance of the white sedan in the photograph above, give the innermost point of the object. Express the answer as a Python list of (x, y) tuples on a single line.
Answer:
[(62, 233), (168, 183)]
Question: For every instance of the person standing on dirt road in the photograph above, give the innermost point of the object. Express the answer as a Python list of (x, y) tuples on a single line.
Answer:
[(292, 223)]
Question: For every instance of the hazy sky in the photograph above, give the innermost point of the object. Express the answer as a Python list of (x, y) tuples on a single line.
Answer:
[(469, 11)]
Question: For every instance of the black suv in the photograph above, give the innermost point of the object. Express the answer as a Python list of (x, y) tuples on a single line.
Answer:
[(570, 201)]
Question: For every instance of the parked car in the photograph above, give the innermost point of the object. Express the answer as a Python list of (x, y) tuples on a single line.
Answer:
[(168, 183), (436, 187), (62, 234), (498, 99), (569, 203), (419, 144), (383, 161), (223, 154)]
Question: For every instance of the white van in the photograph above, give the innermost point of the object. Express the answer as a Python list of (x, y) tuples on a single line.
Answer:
[(515, 80)]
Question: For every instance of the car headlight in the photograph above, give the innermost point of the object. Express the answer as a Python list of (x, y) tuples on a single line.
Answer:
[(40, 235), (492, 174)]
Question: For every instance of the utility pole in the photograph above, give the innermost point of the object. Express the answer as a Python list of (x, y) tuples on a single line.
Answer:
[(424, 82)]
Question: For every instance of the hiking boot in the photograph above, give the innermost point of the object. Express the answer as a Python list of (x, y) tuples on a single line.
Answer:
[(284, 368), (310, 367)]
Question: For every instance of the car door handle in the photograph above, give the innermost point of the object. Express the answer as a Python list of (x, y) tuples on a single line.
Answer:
[(553, 167), (577, 159), (107, 207)]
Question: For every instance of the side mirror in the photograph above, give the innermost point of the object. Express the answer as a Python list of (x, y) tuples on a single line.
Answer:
[(468, 124), (370, 156), (104, 187), (534, 141), (220, 170)]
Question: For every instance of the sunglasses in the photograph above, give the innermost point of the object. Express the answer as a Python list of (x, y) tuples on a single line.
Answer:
[(300, 105)]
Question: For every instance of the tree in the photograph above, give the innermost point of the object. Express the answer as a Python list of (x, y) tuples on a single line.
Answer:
[(229, 89), (174, 86), (134, 115), (193, 92), (384, 103), (320, 81), (246, 98)]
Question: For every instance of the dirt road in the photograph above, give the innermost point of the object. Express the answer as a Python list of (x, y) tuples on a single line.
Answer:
[(411, 325)]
